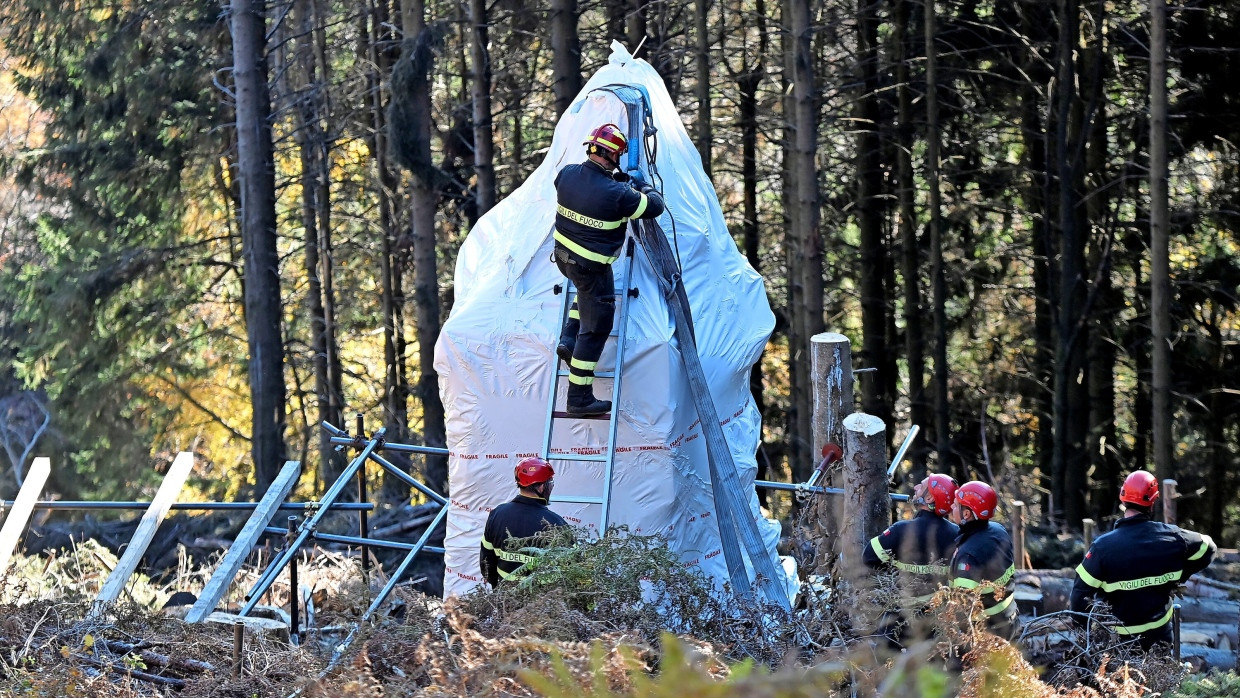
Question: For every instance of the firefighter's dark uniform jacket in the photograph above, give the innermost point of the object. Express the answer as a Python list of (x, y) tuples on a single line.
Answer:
[(920, 547), (592, 208), (1134, 568), (521, 518), (984, 560)]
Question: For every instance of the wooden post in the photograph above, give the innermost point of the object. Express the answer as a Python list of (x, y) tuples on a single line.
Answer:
[(1169, 496), (17, 518), (1018, 533), (831, 365), (866, 501), (831, 369), (155, 513), (1089, 525), (223, 576)]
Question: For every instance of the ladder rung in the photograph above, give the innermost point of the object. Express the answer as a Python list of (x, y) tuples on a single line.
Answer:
[(597, 374), (578, 457), (576, 500), (559, 414)]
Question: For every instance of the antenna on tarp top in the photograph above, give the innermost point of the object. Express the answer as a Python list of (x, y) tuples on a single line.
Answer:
[(640, 44)]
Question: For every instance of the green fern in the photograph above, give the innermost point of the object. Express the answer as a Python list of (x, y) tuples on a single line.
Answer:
[(1214, 685)]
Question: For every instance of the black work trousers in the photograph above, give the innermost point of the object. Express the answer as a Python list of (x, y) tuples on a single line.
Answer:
[(591, 315)]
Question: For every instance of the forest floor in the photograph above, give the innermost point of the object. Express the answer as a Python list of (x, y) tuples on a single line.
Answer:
[(592, 620)]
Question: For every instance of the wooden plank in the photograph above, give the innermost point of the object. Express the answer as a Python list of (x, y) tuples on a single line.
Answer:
[(19, 515), (168, 492), (223, 576)]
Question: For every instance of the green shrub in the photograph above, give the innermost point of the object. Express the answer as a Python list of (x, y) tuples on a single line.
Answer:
[(1213, 685)]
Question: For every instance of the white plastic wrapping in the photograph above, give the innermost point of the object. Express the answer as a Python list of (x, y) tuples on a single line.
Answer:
[(495, 355)]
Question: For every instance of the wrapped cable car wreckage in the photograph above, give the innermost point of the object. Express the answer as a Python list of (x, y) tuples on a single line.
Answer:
[(496, 362)]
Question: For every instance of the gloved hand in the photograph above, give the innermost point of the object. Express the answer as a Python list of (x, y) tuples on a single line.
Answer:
[(621, 176), (639, 179)]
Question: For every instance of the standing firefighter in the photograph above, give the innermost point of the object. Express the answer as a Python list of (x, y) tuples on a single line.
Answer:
[(524, 516), (1135, 566), (593, 205), (984, 559), (919, 548)]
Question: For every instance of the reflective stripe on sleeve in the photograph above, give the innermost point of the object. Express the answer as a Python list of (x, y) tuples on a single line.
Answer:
[(1134, 629), (581, 251), (1206, 542), (1088, 578), (641, 207), (1000, 607), (879, 550)]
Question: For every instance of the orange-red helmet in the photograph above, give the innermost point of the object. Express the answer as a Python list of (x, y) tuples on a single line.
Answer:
[(940, 492), (532, 471), (1139, 488), (610, 138), (979, 498)]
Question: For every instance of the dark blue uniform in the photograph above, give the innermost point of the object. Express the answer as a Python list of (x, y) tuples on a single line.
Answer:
[(521, 518), (592, 208), (984, 560), (1134, 568), (919, 547)]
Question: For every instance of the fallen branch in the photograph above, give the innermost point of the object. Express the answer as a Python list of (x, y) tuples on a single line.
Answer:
[(132, 673), (154, 658)]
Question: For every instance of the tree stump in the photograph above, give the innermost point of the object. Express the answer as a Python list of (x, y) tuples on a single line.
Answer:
[(866, 504)]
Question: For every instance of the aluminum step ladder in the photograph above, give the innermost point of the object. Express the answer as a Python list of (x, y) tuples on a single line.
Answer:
[(625, 292)]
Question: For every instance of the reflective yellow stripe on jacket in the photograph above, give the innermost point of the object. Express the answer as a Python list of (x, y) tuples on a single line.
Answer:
[(1135, 629), (1128, 584), (583, 252), (508, 557), (986, 587), (885, 556)]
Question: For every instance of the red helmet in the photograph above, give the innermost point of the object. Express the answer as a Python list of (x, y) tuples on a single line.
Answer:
[(610, 138), (940, 492), (1139, 488), (979, 498), (532, 471)]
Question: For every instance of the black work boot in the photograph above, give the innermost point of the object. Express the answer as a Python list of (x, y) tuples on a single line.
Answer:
[(581, 401), (564, 350)]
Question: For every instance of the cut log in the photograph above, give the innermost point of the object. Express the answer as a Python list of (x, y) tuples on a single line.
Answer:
[(1203, 658), (1043, 591), (1194, 610)]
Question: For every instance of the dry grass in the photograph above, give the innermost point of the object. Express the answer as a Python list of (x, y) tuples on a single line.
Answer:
[(593, 620)]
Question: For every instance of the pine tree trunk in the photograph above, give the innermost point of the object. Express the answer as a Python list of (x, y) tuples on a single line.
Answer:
[(256, 173), (1160, 276), (566, 53), (480, 89), (1100, 348), (805, 248), (635, 25), (372, 34), (874, 260), (1071, 384), (910, 252), (703, 135), (942, 418)]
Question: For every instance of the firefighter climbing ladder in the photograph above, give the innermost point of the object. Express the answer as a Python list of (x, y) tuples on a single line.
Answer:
[(559, 370), (731, 504)]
